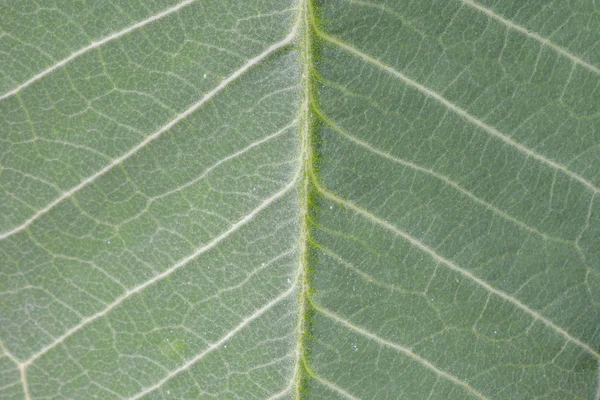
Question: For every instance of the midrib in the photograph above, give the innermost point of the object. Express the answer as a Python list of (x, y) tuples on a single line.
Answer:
[(305, 49)]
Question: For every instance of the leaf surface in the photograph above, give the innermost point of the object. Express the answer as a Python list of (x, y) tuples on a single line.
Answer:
[(300, 199)]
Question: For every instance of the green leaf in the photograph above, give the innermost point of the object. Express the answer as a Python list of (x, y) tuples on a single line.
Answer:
[(300, 199)]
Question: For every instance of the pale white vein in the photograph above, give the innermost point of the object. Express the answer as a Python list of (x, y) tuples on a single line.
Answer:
[(475, 121), (95, 45), (23, 373), (181, 263), (525, 31), (226, 159), (281, 394), (334, 387), (404, 350), (7, 354), (418, 244), (271, 49), (441, 177), (216, 345)]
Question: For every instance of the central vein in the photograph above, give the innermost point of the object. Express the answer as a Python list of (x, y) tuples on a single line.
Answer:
[(304, 42)]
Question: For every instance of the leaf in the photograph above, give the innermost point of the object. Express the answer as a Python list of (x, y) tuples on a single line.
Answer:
[(300, 199)]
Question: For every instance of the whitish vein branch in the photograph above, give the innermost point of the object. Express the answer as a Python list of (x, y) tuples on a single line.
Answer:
[(456, 109), (216, 345), (404, 350), (232, 229), (525, 31), (7, 353), (334, 387), (281, 394), (271, 49), (95, 45), (418, 244), (440, 177)]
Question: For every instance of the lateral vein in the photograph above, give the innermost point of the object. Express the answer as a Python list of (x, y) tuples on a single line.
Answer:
[(213, 243), (224, 83), (7, 353), (404, 350), (525, 31), (214, 346), (97, 44), (443, 178), (475, 121), (418, 244), (334, 387)]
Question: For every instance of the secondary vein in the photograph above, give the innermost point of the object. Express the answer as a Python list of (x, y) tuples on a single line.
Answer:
[(95, 45), (150, 138)]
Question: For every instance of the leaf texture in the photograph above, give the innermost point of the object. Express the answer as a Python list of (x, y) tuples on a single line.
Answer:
[(300, 199)]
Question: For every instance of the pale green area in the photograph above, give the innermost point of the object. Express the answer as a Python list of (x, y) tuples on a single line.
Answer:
[(453, 243)]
